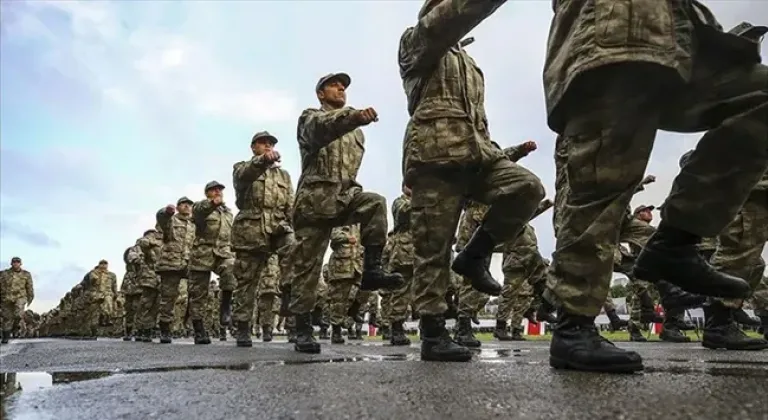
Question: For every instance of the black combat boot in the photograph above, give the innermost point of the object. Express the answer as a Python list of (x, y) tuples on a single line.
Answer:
[(764, 324), (146, 335), (517, 334), (201, 336), (671, 334), (436, 343), (501, 332), (635, 334), (324, 333), (305, 339), (374, 276), (465, 336), (285, 300), (722, 332), (648, 313), (336, 337), (165, 332), (385, 332), (576, 344), (128, 334), (546, 312), (317, 316), (351, 334), (472, 263), (415, 315), (398, 337), (453, 309), (530, 315), (671, 254), (290, 334), (616, 322), (354, 311), (225, 308), (743, 318), (243, 338), (6, 335), (359, 331), (673, 297), (222, 333), (266, 333)]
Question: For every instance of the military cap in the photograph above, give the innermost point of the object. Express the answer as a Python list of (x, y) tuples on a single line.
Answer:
[(103, 262), (685, 157), (184, 199), (643, 208), (263, 135), (496, 145), (342, 77), (15, 259), (148, 232), (213, 184)]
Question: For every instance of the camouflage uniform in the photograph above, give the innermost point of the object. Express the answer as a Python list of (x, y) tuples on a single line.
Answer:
[(145, 256), (173, 265), (400, 260), (210, 252), (100, 287), (16, 292), (131, 293), (212, 308), (268, 295), (345, 270), (180, 323), (263, 226), (328, 196), (448, 156), (607, 72)]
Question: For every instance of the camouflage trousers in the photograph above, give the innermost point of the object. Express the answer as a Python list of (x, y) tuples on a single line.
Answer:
[(742, 243), (149, 305), (399, 300), (313, 236), (99, 311), (267, 307), (341, 293), (198, 288), (760, 298), (613, 115), (437, 199), (11, 313), (170, 282), (523, 267), (386, 308), (368, 300)]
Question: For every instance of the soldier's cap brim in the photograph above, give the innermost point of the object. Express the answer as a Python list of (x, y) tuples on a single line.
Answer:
[(103, 262), (341, 77), (149, 231), (183, 200), (15, 259), (644, 208), (213, 184), (264, 135)]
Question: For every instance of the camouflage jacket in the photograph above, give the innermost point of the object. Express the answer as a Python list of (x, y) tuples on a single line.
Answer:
[(128, 285), (401, 249), (65, 306), (98, 284), (264, 195), (213, 230), (346, 260), (269, 279), (16, 285), (178, 235), (588, 34), (332, 148), (145, 256), (444, 88)]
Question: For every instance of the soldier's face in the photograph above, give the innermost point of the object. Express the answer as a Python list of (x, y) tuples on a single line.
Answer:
[(214, 192), (333, 93), (646, 216), (103, 267), (16, 265), (184, 208), (261, 146)]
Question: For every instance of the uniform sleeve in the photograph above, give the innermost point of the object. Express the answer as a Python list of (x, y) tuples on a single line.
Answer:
[(339, 237), (318, 128), (422, 46), (515, 153), (29, 285), (244, 173), (289, 202), (163, 219), (401, 212)]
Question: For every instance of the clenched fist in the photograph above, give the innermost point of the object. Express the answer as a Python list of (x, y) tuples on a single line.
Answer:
[(271, 156), (170, 209), (366, 116)]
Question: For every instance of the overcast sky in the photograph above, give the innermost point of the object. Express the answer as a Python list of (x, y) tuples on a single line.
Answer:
[(113, 110)]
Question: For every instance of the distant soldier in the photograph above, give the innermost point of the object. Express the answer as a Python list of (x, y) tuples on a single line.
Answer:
[(145, 257), (16, 293), (131, 293), (100, 286)]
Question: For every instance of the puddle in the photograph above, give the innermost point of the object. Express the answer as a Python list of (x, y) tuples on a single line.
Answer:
[(712, 371)]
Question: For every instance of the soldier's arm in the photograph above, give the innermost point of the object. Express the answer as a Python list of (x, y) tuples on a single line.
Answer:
[(339, 237), (543, 206), (202, 209), (247, 172), (401, 211), (289, 202), (422, 46), (163, 219), (318, 128), (515, 153), (29, 285), (114, 284)]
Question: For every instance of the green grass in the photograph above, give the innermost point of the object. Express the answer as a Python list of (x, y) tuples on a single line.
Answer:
[(613, 336)]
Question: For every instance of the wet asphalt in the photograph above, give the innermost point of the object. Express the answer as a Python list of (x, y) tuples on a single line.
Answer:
[(111, 379)]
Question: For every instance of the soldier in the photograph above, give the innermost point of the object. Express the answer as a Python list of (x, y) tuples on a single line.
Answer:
[(321, 313), (100, 287), (607, 73), (345, 271), (447, 158), (210, 253), (131, 293), (264, 195), (400, 260), (328, 195), (268, 294), (16, 292), (145, 256), (178, 235), (212, 308)]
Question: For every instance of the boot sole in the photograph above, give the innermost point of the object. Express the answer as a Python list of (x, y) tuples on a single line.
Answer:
[(308, 350), (558, 363), (754, 347), (738, 292)]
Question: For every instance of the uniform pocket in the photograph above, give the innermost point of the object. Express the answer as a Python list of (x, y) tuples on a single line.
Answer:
[(638, 23)]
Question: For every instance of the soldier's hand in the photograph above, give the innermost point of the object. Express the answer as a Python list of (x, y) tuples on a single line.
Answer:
[(170, 209), (530, 146), (271, 156), (548, 203), (352, 240), (366, 116), (649, 180)]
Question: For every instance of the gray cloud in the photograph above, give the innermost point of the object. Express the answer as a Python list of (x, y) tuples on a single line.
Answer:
[(53, 284), (27, 234)]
